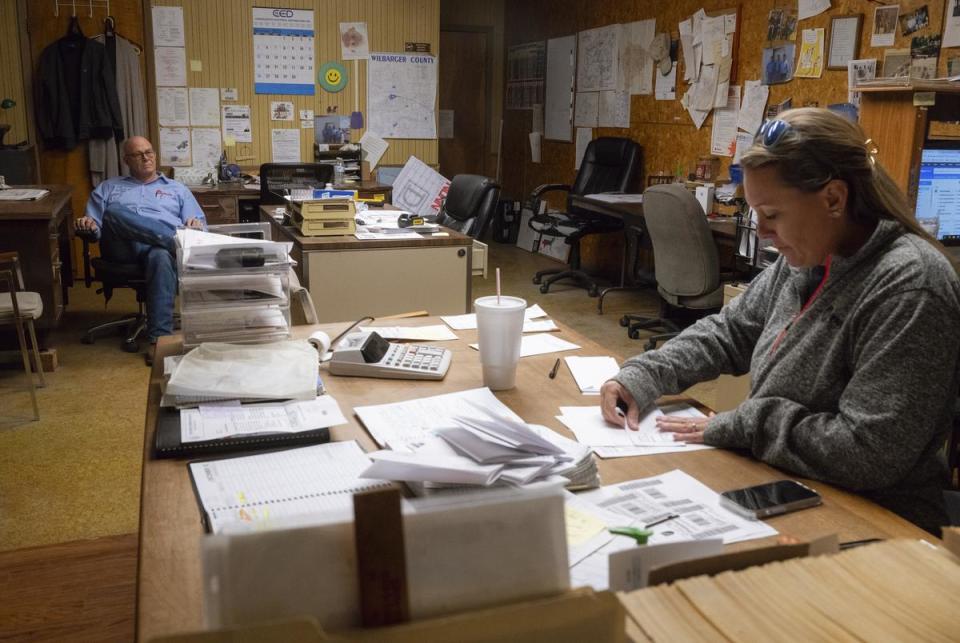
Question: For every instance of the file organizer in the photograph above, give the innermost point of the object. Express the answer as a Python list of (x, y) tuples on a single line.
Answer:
[(236, 305)]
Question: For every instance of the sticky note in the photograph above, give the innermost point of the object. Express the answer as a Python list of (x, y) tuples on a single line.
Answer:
[(196, 65), (229, 141)]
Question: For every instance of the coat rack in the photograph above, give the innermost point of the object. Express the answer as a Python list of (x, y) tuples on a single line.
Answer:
[(83, 4)]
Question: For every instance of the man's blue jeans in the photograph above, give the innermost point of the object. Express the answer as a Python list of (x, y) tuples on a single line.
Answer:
[(127, 237)]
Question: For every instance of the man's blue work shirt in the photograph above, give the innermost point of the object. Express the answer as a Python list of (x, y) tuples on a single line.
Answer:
[(162, 199)]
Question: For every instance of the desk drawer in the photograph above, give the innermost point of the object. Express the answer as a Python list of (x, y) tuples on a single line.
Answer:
[(219, 209)]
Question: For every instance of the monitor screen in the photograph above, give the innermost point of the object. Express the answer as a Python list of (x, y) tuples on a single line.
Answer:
[(938, 194)]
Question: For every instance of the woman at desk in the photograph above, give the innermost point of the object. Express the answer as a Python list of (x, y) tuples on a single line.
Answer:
[(851, 337)]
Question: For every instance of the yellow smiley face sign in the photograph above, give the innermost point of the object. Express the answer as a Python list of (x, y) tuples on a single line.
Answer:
[(332, 77)]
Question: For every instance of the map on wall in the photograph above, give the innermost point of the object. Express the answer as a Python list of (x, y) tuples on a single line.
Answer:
[(402, 95)]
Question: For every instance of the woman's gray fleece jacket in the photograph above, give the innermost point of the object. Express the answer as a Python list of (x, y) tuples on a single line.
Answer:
[(859, 391)]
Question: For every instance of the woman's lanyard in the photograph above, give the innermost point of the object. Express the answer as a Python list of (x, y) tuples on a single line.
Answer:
[(810, 300)]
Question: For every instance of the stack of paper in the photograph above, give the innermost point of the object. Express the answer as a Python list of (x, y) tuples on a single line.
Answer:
[(533, 321), (199, 249), (591, 372), (609, 441), (540, 343), (471, 439), (219, 421)]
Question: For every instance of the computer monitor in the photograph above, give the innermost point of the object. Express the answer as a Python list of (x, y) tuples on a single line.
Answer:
[(938, 194)]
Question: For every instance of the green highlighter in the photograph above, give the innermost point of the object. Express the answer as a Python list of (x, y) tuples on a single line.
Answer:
[(640, 535)]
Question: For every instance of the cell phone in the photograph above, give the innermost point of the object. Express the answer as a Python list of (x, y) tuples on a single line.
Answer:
[(771, 499)]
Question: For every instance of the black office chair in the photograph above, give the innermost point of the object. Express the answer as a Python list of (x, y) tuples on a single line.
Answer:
[(112, 275), (609, 164), (276, 178), (686, 262), (470, 204)]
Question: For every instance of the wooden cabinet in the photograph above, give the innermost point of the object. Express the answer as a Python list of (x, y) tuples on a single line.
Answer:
[(900, 129), (40, 232)]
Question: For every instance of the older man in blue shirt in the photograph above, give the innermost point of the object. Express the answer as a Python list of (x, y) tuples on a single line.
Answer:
[(136, 218)]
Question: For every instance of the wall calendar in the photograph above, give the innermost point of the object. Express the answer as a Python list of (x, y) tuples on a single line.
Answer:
[(283, 51)]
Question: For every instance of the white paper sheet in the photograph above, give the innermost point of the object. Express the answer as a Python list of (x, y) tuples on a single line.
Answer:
[(281, 110), (419, 188), (587, 110), (843, 36), (373, 148), (204, 107), (236, 123), (469, 320), (614, 109), (559, 89), (744, 141), (173, 106), (686, 47), (598, 58), (536, 146), (616, 198), (218, 422), (175, 146), (228, 93), (636, 65), (591, 372), (539, 344), (704, 90), (168, 27), (402, 95), (591, 429), (630, 568), (755, 95), (858, 71), (354, 43), (810, 8), (666, 85), (434, 333), (170, 66), (723, 140), (951, 27), (401, 422), (206, 147), (584, 136), (285, 145)]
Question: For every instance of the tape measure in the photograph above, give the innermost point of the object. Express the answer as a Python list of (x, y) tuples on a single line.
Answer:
[(407, 220)]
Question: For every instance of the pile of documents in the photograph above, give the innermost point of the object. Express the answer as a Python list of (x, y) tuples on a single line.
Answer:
[(223, 300), (470, 439), (534, 321), (609, 441), (591, 372)]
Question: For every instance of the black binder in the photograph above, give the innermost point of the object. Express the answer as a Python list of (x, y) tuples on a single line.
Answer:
[(168, 445)]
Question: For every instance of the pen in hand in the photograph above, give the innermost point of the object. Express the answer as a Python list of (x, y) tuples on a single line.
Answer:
[(556, 367)]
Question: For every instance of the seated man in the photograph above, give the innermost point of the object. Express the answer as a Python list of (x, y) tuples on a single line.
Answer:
[(136, 218)]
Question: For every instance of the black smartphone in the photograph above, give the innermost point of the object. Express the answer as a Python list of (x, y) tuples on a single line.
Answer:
[(771, 499)]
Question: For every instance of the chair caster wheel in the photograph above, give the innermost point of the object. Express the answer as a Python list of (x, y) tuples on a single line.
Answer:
[(86, 339), (130, 347), (545, 288), (624, 321), (649, 346), (633, 334), (537, 279)]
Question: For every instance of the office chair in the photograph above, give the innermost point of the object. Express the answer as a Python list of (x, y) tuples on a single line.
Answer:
[(469, 205), (20, 308), (112, 275), (685, 258), (275, 178), (609, 165)]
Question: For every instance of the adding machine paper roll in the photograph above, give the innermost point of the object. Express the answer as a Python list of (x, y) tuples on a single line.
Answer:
[(321, 341)]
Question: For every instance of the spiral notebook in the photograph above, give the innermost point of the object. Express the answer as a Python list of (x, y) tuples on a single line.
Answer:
[(259, 489)]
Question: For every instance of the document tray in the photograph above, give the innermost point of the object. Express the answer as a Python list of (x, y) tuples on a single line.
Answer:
[(168, 444)]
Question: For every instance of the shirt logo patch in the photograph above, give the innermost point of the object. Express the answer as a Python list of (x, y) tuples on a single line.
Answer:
[(160, 193)]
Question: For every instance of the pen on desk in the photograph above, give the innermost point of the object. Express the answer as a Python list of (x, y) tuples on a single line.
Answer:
[(661, 521), (556, 367)]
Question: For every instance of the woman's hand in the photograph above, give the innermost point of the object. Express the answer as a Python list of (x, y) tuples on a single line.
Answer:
[(684, 429), (613, 393)]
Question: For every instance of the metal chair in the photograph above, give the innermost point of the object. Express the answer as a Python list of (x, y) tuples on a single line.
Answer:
[(20, 308)]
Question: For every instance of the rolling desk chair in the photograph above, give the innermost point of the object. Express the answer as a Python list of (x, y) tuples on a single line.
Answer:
[(609, 165), (469, 205), (685, 258), (275, 178)]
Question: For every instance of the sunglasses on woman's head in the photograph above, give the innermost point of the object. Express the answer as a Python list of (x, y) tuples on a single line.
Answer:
[(771, 131)]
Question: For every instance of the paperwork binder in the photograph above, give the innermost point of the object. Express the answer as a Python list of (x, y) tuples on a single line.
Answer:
[(169, 445)]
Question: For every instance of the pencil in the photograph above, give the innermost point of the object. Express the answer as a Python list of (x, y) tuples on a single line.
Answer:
[(556, 367)]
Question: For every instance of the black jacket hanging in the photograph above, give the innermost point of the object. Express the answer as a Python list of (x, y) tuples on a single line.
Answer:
[(76, 94)]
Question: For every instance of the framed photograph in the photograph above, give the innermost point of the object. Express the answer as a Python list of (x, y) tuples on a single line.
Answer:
[(844, 40)]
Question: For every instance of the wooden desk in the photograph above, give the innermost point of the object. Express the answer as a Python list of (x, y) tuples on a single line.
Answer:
[(40, 231), (349, 277), (169, 576)]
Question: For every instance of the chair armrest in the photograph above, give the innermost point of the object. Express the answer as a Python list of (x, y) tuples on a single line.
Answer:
[(88, 237), (548, 187)]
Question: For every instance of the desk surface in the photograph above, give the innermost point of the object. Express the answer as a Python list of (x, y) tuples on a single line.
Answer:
[(237, 189), (46, 208), (349, 242), (722, 228), (169, 575)]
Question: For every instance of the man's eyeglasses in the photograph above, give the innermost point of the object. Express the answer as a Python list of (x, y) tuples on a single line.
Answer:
[(149, 154), (771, 131)]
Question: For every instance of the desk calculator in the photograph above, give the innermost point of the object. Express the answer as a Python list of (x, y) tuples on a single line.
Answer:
[(367, 354)]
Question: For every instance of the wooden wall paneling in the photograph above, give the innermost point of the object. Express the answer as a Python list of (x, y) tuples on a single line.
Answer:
[(11, 80), (219, 33)]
